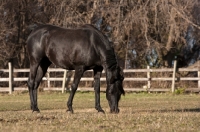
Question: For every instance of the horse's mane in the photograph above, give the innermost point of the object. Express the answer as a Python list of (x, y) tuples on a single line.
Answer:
[(111, 60)]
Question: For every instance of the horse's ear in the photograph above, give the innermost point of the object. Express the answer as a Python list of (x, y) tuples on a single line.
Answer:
[(115, 74)]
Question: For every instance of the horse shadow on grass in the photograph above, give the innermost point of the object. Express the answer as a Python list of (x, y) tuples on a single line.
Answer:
[(177, 110), (188, 110), (168, 110)]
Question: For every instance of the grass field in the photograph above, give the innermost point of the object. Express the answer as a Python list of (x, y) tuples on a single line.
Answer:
[(141, 112)]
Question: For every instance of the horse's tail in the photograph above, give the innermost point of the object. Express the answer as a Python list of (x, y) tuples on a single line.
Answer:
[(32, 27)]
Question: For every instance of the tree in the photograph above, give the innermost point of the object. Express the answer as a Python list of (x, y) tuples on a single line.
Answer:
[(143, 32)]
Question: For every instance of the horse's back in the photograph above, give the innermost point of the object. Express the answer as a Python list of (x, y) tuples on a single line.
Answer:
[(64, 47)]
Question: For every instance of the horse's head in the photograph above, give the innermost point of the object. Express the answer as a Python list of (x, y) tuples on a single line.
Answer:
[(114, 88)]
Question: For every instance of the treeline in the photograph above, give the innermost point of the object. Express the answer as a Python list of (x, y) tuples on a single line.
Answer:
[(144, 32)]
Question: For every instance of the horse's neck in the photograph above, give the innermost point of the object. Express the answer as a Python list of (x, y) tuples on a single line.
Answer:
[(108, 60), (104, 48)]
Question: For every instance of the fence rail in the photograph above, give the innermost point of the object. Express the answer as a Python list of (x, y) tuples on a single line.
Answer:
[(148, 79)]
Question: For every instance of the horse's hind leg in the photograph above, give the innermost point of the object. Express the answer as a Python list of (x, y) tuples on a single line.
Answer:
[(31, 80), (34, 82), (79, 70)]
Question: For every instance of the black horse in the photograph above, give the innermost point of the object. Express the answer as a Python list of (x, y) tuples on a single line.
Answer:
[(78, 49)]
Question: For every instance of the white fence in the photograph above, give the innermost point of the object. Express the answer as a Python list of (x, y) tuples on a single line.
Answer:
[(148, 79)]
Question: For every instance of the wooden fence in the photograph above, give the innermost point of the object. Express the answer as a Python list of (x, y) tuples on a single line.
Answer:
[(148, 79)]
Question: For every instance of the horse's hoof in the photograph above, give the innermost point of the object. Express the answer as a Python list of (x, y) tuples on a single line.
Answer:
[(35, 111), (69, 111), (114, 112), (101, 111)]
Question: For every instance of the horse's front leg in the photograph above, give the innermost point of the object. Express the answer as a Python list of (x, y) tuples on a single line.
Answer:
[(77, 77), (97, 76)]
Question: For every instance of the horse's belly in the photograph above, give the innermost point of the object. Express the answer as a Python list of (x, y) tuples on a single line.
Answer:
[(70, 63), (68, 56)]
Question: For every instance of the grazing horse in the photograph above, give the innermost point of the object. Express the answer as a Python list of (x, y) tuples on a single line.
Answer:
[(78, 49)]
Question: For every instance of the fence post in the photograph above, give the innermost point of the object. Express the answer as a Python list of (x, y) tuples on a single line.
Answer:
[(199, 78), (149, 78), (48, 80), (64, 81), (174, 76), (10, 77)]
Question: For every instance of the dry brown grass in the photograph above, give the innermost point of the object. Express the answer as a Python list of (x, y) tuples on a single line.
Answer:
[(139, 112)]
